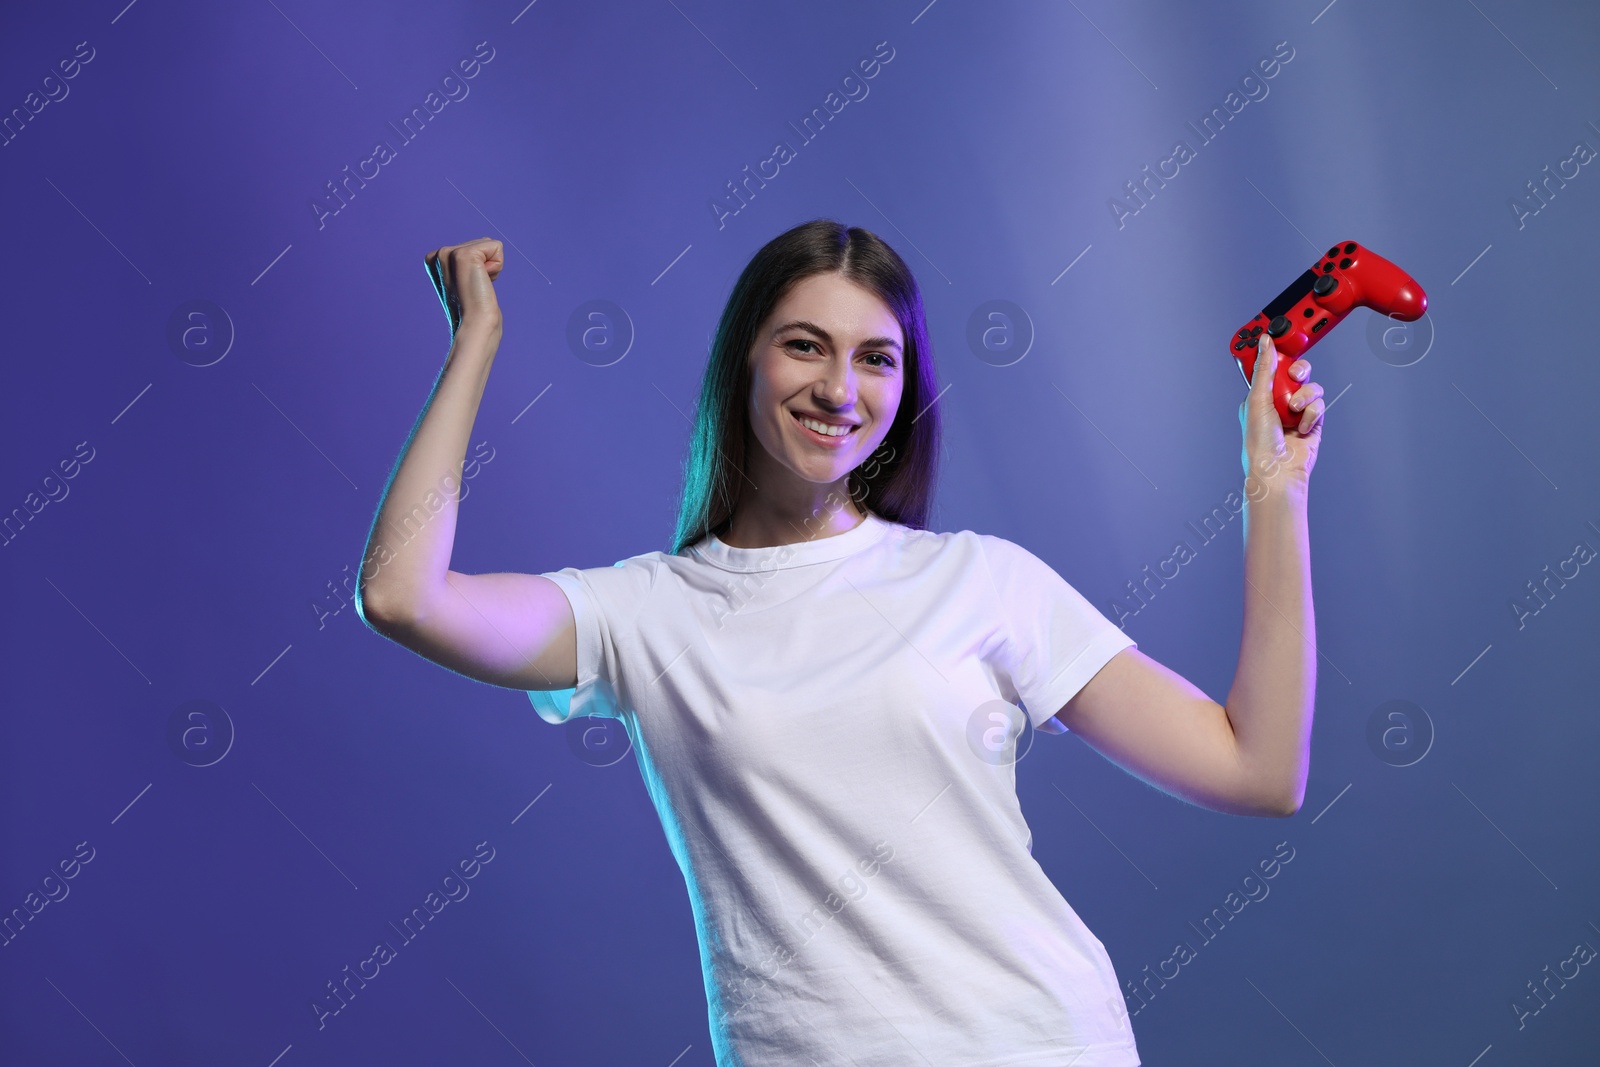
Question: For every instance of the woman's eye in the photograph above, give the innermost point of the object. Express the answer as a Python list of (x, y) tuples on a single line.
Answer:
[(888, 361)]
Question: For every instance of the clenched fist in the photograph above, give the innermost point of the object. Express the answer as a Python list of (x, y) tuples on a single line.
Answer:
[(463, 276)]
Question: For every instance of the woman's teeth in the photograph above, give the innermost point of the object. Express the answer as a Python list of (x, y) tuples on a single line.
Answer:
[(824, 428)]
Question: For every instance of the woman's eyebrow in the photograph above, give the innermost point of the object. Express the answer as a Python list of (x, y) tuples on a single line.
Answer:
[(811, 327)]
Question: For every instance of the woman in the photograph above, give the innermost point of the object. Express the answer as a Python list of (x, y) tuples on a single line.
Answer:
[(824, 697)]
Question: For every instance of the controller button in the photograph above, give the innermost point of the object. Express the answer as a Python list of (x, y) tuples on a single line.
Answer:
[(1279, 326), (1256, 332), (1350, 249), (1317, 328), (1344, 264), (1308, 312), (1324, 285), (1333, 251), (1327, 267), (1240, 346)]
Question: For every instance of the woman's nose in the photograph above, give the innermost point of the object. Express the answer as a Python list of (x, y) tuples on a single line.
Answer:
[(839, 387)]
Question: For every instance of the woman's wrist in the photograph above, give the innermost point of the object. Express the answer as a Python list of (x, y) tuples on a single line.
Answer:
[(1282, 485), (482, 329), (475, 344)]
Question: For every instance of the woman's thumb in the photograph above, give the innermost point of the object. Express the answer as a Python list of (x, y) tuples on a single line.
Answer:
[(1265, 369)]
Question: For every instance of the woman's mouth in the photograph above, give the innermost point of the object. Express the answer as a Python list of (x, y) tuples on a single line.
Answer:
[(823, 433)]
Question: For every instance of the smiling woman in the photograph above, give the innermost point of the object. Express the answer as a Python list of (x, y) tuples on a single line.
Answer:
[(802, 672)]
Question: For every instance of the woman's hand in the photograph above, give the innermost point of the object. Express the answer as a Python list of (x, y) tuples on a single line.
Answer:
[(462, 277), (1270, 452)]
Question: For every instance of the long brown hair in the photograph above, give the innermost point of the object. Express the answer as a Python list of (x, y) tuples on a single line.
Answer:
[(897, 481)]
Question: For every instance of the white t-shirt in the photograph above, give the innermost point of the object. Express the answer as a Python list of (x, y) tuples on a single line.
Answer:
[(828, 731)]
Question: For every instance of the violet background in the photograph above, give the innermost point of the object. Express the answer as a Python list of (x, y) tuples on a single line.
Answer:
[(186, 558)]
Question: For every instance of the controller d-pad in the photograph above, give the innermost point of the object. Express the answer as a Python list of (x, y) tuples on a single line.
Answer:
[(1323, 286), (1278, 326), (1240, 346)]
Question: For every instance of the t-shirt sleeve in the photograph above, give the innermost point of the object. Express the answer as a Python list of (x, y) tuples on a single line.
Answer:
[(1056, 640), (602, 598)]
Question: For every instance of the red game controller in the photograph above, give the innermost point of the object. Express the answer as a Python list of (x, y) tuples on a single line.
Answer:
[(1348, 277)]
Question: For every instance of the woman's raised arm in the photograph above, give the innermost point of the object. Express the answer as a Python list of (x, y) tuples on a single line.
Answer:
[(512, 630), (1251, 755)]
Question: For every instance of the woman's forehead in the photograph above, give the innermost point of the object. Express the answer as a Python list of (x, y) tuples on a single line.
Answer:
[(831, 304)]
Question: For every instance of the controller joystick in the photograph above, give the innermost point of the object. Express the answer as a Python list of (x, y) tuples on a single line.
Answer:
[(1347, 277)]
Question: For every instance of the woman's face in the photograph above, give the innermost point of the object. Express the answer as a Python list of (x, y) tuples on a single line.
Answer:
[(833, 352)]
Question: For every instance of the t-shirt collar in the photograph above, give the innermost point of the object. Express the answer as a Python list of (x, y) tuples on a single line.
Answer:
[(715, 551)]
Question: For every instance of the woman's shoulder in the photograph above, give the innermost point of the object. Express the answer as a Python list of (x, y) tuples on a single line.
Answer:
[(974, 549), (945, 540), (631, 576), (962, 548)]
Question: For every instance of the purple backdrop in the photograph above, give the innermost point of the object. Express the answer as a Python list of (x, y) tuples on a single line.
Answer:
[(221, 789)]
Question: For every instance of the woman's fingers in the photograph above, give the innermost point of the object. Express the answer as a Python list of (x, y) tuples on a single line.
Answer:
[(462, 276), (474, 267), (1304, 395), (495, 258), (1312, 415), (1307, 398)]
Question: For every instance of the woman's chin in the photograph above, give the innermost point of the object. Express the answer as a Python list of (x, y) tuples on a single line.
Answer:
[(821, 474)]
